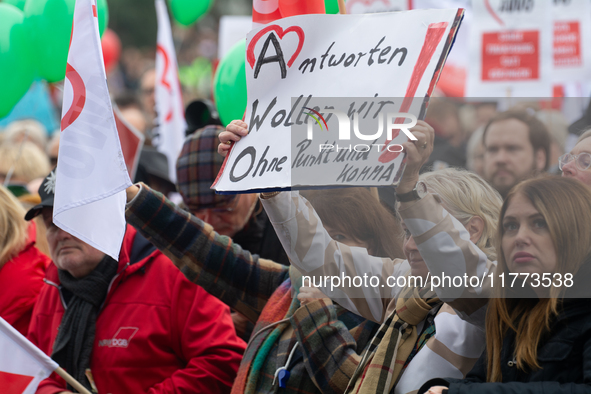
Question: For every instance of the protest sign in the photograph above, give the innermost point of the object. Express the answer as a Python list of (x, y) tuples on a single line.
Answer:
[(453, 77), (298, 66), (510, 49), (572, 37)]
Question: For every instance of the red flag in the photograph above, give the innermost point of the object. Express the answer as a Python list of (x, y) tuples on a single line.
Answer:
[(131, 141)]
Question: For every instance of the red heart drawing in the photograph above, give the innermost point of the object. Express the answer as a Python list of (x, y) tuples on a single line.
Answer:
[(79, 98), (493, 13), (280, 32)]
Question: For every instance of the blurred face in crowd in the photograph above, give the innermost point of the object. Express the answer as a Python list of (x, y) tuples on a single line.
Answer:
[(346, 239), (575, 168), (509, 156), (230, 220), (68, 252), (136, 118), (418, 267), (478, 160), (526, 241), (148, 86)]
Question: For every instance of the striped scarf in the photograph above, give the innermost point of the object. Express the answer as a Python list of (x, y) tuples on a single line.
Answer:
[(282, 304), (383, 361)]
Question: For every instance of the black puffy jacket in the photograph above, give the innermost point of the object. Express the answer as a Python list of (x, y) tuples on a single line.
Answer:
[(564, 357)]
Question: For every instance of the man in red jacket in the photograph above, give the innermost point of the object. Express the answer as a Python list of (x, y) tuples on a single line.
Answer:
[(132, 326)]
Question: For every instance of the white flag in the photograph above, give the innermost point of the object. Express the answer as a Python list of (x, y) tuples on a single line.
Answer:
[(22, 365), (91, 173), (169, 101)]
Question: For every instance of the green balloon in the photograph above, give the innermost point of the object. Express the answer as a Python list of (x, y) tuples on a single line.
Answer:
[(187, 12), (16, 69), (229, 84), (20, 4), (49, 23), (332, 6)]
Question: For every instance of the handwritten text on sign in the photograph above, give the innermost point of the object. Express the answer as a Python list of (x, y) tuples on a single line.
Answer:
[(294, 62)]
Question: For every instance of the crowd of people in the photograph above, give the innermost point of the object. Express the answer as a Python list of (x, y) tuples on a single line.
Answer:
[(228, 293)]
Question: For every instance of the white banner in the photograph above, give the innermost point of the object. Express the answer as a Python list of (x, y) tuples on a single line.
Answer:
[(22, 365), (169, 101), (510, 49), (295, 61), (91, 175)]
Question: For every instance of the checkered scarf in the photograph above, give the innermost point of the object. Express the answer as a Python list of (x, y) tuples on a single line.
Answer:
[(383, 361), (197, 168)]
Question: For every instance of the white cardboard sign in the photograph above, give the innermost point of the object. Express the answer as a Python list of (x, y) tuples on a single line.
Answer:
[(511, 49), (295, 61)]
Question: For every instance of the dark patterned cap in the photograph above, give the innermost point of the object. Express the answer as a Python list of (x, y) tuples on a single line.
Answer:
[(197, 168), (47, 194)]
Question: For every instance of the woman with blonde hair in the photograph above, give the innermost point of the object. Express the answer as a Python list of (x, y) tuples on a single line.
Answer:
[(538, 329), (22, 266), (421, 337)]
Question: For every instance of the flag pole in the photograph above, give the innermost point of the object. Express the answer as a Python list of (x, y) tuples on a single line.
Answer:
[(71, 381), (342, 9)]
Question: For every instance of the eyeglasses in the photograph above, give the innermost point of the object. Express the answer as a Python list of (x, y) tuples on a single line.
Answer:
[(582, 160)]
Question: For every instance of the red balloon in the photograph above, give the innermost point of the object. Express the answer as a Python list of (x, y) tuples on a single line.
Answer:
[(301, 7), (111, 45)]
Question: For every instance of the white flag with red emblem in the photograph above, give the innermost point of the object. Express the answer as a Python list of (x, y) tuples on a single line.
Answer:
[(91, 175), (169, 101), (22, 365)]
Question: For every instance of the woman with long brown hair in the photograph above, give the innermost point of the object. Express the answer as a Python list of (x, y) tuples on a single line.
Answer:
[(538, 335)]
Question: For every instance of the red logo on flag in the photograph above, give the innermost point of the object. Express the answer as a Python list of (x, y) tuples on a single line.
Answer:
[(160, 49), (79, 97), (12, 383)]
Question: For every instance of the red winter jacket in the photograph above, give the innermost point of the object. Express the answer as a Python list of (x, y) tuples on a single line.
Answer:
[(21, 279), (156, 332)]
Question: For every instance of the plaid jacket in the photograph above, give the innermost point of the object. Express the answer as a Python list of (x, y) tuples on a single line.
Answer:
[(331, 339)]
